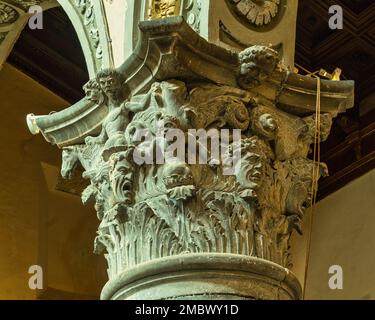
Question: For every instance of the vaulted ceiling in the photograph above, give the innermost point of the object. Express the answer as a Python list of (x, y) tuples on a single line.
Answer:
[(53, 56)]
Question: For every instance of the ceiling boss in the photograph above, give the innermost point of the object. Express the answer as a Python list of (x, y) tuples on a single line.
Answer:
[(164, 8)]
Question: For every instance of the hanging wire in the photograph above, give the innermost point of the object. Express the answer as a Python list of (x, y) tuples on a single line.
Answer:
[(315, 174)]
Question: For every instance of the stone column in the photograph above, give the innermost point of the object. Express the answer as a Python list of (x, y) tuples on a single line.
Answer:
[(181, 229)]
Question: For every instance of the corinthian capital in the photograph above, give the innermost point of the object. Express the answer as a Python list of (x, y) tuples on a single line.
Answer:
[(180, 226)]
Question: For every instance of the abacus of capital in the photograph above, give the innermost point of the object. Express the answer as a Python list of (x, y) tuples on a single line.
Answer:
[(186, 231)]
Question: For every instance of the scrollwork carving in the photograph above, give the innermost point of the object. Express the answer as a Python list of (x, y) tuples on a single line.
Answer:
[(85, 9)]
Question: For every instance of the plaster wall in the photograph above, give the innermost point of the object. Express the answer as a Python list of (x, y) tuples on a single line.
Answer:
[(342, 234), (39, 225)]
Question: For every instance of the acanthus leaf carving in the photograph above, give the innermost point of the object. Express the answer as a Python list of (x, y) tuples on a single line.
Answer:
[(150, 210)]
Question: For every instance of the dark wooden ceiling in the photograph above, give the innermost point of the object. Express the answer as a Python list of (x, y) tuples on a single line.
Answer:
[(350, 150), (53, 57)]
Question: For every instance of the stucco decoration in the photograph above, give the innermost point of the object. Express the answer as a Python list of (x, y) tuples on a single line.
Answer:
[(180, 229)]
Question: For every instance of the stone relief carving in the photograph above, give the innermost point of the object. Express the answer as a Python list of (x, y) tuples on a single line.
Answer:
[(164, 8), (193, 215), (86, 10), (156, 210), (257, 12), (109, 83), (257, 64), (8, 15)]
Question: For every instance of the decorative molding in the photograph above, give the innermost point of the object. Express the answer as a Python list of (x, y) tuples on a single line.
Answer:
[(245, 278), (220, 66), (86, 9)]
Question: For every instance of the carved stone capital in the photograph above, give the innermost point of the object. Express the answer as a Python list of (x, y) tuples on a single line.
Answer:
[(165, 223)]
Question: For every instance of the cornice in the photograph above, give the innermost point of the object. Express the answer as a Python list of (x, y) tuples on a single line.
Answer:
[(170, 48)]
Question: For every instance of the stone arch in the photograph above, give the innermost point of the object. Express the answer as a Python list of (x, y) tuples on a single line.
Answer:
[(87, 17), (89, 21)]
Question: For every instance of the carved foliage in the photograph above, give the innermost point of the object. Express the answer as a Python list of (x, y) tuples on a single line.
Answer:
[(159, 209), (86, 9)]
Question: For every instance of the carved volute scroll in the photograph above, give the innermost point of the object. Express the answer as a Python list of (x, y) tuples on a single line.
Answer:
[(181, 213)]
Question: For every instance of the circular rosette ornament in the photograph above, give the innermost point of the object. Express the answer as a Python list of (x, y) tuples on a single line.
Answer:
[(257, 13)]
